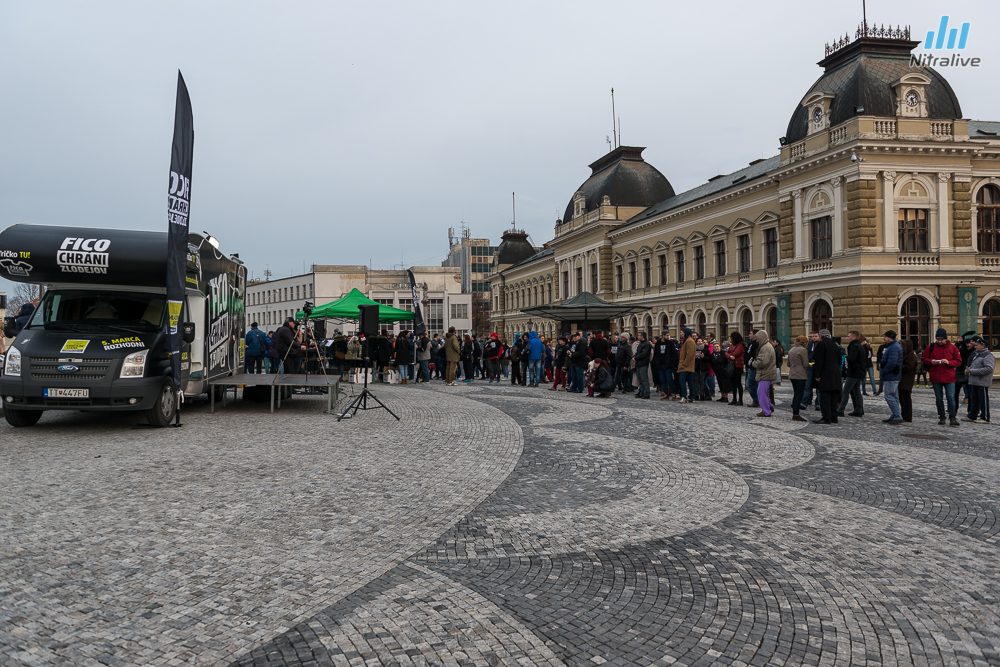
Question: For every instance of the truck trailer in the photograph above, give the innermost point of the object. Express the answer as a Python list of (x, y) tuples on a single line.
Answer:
[(98, 338)]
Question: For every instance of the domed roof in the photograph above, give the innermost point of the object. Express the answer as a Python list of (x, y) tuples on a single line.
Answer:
[(514, 247), (625, 178), (861, 75)]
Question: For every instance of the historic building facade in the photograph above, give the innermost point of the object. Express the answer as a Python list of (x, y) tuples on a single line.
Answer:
[(882, 211)]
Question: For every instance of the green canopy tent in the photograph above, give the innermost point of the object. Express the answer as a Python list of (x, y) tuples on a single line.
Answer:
[(346, 308)]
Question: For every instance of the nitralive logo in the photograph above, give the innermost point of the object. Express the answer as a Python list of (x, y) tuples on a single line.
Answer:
[(79, 255), (948, 40)]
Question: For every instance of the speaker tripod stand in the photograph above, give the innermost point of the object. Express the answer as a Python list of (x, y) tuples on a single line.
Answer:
[(360, 401)]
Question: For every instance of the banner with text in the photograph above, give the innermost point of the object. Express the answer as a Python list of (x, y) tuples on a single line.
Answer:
[(178, 206)]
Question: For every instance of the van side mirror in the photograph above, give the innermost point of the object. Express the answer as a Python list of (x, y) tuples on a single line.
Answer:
[(9, 327), (188, 328)]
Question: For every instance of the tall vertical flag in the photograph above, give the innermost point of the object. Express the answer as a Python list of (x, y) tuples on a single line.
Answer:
[(178, 206), (418, 317)]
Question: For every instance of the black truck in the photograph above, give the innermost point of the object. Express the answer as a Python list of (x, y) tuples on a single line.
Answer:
[(97, 339)]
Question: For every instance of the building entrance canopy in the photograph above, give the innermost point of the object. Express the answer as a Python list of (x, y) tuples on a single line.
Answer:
[(584, 307)]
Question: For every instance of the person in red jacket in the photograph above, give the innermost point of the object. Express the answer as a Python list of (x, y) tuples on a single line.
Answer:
[(942, 358)]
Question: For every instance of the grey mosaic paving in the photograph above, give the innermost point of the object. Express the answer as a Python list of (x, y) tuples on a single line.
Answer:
[(501, 525)]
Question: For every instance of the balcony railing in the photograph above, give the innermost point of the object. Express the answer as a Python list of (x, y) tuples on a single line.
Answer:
[(917, 260), (813, 267)]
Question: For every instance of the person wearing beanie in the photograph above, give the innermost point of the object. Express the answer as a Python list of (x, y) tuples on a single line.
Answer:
[(685, 367), (826, 376), (890, 374), (942, 358), (980, 373)]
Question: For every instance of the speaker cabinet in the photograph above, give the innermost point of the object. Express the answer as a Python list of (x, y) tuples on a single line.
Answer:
[(368, 320)]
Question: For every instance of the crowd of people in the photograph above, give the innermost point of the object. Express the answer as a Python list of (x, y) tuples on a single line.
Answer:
[(740, 371)]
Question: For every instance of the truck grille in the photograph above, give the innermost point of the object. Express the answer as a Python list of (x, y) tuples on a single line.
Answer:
[(45, 368)]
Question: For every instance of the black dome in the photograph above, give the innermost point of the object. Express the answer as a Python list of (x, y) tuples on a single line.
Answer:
[(514, 247), (626, 179), (861, 75)]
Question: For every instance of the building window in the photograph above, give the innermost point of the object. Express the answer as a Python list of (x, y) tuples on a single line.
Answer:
[(682, 321), (912, 230), (722, 326), (565, 294), (620, 278), (631, 275), (594, 286), (579, 279), (746, 324), (822, 237), (744, 246), (772, 322), (822, 316), (988, 220), (720, 258), (679, 263), (702, 325), (991, 323), (770, 247), (699, 262), (459, 311), (663, 269), (915, 322), (550, 292), (647, 273)]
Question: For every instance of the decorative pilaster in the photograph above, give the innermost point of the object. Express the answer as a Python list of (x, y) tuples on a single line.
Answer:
[(944, 219), (890, 226), (799, 235), (838, 217)]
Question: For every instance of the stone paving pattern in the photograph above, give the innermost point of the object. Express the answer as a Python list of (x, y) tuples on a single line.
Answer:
[(501, 525)]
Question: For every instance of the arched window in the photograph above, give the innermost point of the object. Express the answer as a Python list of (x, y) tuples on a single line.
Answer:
[(746, 323), (988, 220), (772, 322), (722, 326), (702, 325), (991, 323), (915, 322), (664, 323), (682, 321), (822, 316)]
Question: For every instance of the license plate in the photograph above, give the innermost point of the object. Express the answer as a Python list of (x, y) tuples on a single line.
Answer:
[(67, 393)]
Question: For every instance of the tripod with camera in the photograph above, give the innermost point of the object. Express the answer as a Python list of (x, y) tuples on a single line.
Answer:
[(368, 326), (301, 327)]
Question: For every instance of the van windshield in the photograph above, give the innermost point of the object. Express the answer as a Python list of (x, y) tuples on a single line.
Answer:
[(87, 310)]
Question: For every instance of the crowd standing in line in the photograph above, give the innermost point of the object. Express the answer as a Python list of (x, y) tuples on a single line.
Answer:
[(823, 374)]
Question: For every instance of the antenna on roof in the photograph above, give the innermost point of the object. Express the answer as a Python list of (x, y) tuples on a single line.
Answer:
[(613, 132), (619, 130), (608, 139), (864, 13), (513, 208)]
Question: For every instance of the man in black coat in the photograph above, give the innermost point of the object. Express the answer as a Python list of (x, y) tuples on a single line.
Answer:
[(284, 340), (856, 371), (826, 376)]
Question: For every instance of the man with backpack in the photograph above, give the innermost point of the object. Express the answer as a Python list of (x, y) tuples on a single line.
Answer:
[(256, 348)]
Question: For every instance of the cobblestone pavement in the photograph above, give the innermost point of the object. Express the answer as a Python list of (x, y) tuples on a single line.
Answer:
[(501, 525)]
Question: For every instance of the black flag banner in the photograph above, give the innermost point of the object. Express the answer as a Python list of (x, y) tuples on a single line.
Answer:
[(178, 206), (418, 317)]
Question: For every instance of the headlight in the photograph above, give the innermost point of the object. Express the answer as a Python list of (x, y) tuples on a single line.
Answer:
[(134, 365), (12, 364)]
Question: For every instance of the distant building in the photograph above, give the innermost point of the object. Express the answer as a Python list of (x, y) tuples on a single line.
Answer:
[(473, 258), (439, 290)]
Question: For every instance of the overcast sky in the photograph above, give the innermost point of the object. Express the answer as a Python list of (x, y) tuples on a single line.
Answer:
[(349, 133)]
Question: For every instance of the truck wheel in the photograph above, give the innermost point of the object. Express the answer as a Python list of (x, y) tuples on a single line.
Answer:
[(22, 417), (165, 407)]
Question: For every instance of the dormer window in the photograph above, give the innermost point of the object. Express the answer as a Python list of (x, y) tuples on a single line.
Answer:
[(818, 106)]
